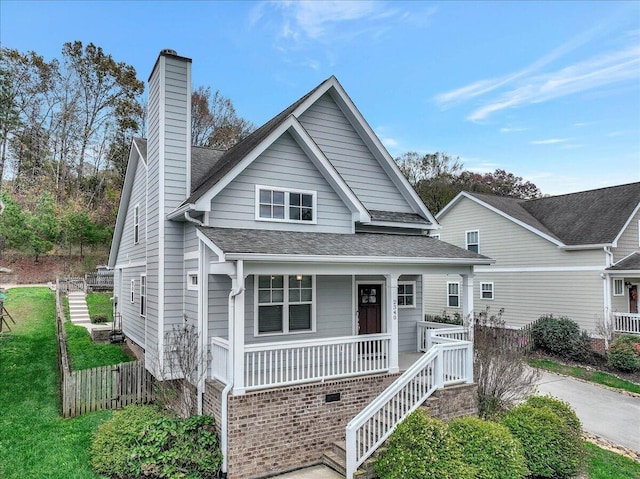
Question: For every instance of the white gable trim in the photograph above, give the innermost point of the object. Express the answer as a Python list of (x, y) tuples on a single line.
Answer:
[(497, 211), (627, 223), (339, 95), (212, 246), (313, 152)]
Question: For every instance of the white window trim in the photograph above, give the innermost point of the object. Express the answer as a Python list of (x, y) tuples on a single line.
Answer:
[(136, 224), (285, 308), (619, 281), (132, 296), (412, 283), (466, 239), (190, 276), (143, 297), (287, 191), (458, 295), (493, 294)]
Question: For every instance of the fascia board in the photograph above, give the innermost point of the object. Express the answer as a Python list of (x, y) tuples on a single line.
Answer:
[(354, 259), (391, 224), (449, 205), (573, 247), (211, 245)]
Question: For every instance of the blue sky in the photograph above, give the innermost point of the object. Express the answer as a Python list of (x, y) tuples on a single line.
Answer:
[(549, 91)]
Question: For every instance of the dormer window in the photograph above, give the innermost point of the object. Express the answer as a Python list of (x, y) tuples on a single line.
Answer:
[(291, 206)]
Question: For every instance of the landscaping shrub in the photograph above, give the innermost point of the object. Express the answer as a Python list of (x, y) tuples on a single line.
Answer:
[(624, 353), (552, 445), (562, 409), (445, 318), (140, 441), (421, 447), (560, 336), (99, 319), (489, 448)]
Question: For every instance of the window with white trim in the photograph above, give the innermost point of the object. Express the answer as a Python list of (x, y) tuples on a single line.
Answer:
[(453, 294), (278, 204), (473, 241), (618, 287), (406, 294), (133, 290), (486, 290), (136, 224), (143, 295), (192, 280), (284, 304)]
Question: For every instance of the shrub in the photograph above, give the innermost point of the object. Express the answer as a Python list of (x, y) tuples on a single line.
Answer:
[(623, 353), (489, 448), (445, 318), (422, 448), (552, 448), (560, 336), (562, 409), (99, 318), (140, 441)]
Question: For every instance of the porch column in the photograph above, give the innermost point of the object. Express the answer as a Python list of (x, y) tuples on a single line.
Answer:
[(236, 328), (392, 320), (467, 298)]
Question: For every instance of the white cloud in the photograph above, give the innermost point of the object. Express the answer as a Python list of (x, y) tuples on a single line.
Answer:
[(550, 141), (512, 130)]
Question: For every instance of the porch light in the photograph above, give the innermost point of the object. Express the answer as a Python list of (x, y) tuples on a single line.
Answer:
[(627, 284), (299, 277)]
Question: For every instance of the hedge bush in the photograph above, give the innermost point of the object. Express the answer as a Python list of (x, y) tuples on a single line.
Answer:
[(421, 447), (140, 441), (624, 353), (551, 441), (489, 448), (560, 336)]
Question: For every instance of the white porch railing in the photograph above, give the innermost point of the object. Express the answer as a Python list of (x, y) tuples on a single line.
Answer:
[(449, 361), (451, 331), (286, 363), (220, 359), (626, 323)]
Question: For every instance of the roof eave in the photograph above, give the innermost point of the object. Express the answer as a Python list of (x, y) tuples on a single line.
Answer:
[(573, 247), (295, 258)]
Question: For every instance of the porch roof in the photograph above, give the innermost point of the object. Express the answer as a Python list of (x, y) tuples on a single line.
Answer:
[(305, 246), (629, 263)]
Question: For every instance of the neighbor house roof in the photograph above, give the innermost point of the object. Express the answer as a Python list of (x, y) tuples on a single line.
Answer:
[(594, 217), (239, 243)]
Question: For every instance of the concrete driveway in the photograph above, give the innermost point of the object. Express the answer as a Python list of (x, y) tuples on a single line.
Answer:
[(612, 415)]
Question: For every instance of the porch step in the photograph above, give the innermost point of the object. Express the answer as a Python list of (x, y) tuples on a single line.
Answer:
[(336, 458)]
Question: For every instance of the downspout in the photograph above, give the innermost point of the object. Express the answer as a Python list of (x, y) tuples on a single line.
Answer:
[(224, 422), (203, 296), (607, 320), (190, 219)]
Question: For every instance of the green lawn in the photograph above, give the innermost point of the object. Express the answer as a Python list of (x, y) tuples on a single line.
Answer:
[(586, 374), (85, 354), (35, 441), (100, 304), (603, 464)]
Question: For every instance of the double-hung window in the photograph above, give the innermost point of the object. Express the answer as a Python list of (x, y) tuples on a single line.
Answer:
[(486, 290), (473, 241), (285, 304), (618, 287), (278, 204), (133, 290), (136, 224), (406, 294), (143, 295), (453, 294)]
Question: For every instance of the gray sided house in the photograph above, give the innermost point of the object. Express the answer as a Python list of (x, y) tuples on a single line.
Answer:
[(299, 254), (576, 255)]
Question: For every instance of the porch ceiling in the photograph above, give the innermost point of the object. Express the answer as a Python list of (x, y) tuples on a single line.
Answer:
[(304, 246)]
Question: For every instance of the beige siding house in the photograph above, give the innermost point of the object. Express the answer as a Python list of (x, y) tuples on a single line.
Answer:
[(576, 255)]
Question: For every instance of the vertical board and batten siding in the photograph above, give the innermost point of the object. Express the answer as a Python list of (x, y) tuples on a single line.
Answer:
[(629, 240), (408, 318), (339, 141), (283, 164)]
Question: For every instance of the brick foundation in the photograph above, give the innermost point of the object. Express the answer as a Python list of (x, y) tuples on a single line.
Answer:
[(282, 429)]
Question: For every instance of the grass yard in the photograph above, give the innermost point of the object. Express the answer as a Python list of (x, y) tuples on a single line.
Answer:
[(85, 354), (100, 304), (585, 374), (35, 441), (603, 464)]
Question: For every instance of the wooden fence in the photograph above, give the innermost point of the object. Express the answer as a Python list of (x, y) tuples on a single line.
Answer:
[(90, 282), (107, 387)]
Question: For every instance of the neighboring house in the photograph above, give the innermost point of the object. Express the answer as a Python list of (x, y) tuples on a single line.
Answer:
[(575, 255), (299, 254)]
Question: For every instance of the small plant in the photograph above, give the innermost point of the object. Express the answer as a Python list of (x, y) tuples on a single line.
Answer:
[(421, 447), (624, 353), (445, 318), (99, 319), (560, 336), (489, 448)]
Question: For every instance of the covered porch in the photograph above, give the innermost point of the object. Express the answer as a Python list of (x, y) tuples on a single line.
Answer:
[(622, 282)]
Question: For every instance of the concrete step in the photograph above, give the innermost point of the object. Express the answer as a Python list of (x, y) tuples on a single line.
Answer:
[(332, 461)]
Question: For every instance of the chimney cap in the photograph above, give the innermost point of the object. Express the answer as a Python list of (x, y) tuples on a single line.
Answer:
[(168, 51)]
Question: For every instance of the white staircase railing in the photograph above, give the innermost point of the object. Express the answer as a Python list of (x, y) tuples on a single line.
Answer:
[(448, 361)]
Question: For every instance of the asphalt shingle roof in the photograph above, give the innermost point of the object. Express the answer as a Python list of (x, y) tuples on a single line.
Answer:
[(410, 218), (631, 262), (333, 245), (586, 217)]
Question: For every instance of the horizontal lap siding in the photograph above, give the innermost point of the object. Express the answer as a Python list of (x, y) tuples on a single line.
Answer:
[(336, 137), (133, 325), (284, 165), (407, 318), (629, 240), (190, 295), (218, 321)]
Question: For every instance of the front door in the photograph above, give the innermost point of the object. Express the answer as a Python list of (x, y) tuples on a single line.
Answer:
[(369, 308), (633, 299)]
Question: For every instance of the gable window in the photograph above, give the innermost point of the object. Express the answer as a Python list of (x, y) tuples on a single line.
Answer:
[(618, 287), (406, 294), (136, 224), (285, 304), (486, 290), (453, 294), (473, 241), (133, 290), (143, 295), (277, 204)]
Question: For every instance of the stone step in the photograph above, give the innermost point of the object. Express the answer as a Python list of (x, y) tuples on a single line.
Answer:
[(333, 461)]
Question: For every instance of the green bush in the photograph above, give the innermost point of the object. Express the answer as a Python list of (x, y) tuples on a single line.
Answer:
[(489, 448), (422, 448), (140, 441), (99, 319), (562, 409), (623, 353), (551, 441), (560, 336)]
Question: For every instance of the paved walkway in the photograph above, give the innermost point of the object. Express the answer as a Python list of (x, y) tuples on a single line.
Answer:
[(607, 413)]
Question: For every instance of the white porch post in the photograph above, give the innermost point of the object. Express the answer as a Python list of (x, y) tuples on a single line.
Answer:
[(392, 320), (236, 328), (467, 298)]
